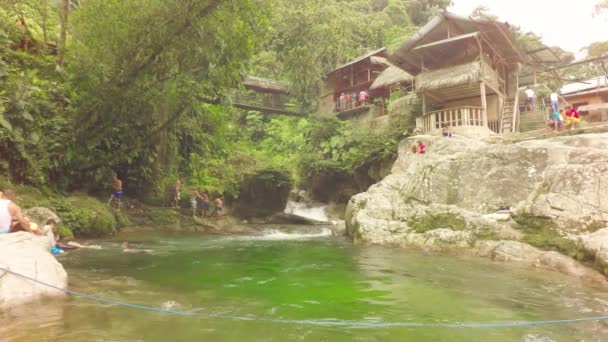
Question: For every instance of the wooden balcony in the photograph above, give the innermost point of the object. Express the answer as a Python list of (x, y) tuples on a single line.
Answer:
[(453, 117)]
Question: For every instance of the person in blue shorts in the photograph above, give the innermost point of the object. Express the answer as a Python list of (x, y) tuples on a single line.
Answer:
[(116, 190)]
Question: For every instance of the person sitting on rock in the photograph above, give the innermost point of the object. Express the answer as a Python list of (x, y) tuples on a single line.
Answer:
[(447, 131), (11, 215), (421, 147), (414, 149), (49, 229)]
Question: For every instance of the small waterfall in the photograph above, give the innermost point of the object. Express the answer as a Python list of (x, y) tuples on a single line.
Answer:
[(304, 210), (300, 205)]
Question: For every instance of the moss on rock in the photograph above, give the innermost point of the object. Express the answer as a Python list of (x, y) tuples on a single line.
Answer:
[(425, 223), (542, 233)]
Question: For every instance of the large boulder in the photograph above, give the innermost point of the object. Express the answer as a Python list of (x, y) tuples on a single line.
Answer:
[(263, 194), (41, 215), (29, 255), (460, 183), (594, 247)]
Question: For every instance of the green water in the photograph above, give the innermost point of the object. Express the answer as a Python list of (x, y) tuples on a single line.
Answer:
[(301, 279)]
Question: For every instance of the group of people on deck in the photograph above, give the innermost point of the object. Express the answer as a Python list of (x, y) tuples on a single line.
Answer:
[(348, 101)]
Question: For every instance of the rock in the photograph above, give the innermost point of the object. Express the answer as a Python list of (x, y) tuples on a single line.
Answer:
[(451, 196), (514, 251), (30, 255), (498, 216), (263, 193), (595, 247), (41, 215), (555, 261)]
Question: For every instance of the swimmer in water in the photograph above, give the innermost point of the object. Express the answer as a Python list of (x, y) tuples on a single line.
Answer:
[(127, 249)]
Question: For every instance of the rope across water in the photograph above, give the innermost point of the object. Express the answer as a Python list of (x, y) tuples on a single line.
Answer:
[(325, 323)]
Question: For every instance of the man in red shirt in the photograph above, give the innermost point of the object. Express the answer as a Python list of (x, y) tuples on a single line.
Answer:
[(572, 117)]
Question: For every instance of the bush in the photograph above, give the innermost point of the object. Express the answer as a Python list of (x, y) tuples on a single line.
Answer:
[(87, 216), (161, 216), (80, 215)]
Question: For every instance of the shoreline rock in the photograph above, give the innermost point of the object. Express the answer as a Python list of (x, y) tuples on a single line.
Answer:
[(552, 193), (30, 255)]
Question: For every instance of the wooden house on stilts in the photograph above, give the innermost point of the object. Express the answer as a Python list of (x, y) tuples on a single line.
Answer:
[(466, 73)]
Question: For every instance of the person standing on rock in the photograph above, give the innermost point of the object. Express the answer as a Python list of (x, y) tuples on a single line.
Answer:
[(116, 190), (11, 212), (205, 204), (219, 206), (177, 193), (554, 102)]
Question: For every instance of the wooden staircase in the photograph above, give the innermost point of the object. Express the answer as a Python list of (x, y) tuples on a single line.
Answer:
[(532, 121), (508, 110)]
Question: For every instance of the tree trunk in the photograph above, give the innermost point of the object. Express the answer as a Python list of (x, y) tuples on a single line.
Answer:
[(64, 11), (45, 15)]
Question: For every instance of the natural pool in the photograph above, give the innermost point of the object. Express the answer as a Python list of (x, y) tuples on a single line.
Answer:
[(295, 277)]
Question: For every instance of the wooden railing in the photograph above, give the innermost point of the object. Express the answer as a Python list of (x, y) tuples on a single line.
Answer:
[(454, 117)]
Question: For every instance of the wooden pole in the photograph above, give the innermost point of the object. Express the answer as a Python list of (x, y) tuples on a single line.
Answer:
[(484, 104), (423, 104)]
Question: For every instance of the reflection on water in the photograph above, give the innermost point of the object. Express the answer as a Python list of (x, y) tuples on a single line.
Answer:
[(301, 279)]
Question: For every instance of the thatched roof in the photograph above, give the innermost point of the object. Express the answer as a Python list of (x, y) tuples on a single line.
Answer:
[(379, 52), (456, 75), (408, 57), (392, 75), (266, 85)]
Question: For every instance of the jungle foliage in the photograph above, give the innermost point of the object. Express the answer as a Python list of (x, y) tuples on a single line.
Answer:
[(140, 86)]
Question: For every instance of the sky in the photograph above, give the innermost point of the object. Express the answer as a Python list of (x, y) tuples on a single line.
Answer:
[(568, 24)]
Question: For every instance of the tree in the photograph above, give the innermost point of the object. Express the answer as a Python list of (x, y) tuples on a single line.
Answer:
[(63, 32), (420, 11), (150, 63), (483, 12), (597, 49)]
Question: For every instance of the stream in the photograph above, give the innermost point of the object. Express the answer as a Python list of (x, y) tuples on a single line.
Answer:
[(302, 275)]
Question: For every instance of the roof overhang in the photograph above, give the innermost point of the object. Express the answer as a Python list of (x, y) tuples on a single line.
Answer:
[(446, 26), (380, 53)]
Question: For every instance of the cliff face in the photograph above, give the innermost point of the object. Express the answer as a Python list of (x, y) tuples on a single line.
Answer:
[(30, 255), (448, 197)]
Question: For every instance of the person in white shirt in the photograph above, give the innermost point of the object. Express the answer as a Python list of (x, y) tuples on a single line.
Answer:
[(530, 98), (10, 212), (555, 102)]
